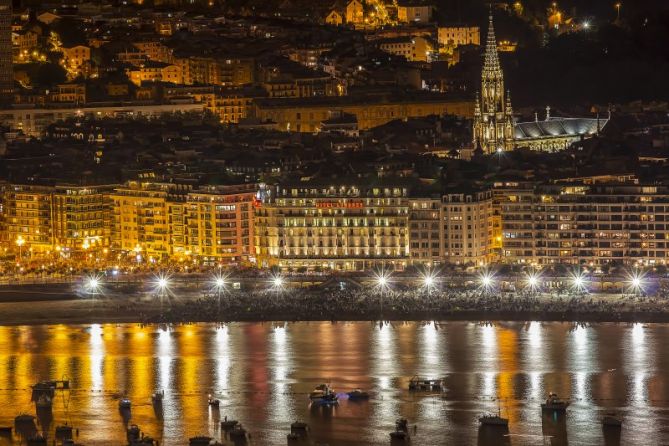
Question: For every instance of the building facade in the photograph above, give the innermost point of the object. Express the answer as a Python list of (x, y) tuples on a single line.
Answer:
[(343, 227), (470, 235), (457, 35), (6, 70), (54, 218), (584, 224), (167, 222)]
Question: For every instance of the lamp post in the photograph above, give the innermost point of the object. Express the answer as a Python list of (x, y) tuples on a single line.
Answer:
[(618, 5), (20, 241)]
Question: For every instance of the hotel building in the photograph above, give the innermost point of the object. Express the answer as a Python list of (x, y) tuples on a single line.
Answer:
[(341, 227)]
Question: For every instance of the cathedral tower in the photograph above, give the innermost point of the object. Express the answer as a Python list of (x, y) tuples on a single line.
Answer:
[(493, 116)]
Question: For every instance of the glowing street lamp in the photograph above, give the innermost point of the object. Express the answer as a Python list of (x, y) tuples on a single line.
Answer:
[(636, 282), (220, 282), (533, 281), (93, 284), (487, 280), (20, 241), (578, 281), (277, 282), (162, 283)]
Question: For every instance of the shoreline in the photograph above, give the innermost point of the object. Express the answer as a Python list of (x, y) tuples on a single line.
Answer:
[(61, 304)]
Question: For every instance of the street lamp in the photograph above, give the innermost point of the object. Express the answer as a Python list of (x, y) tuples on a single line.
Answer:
[(578, 281), (277, 282), (636, 282), (618, 5), (533, 281), (93, 284), (20, 241), (487, 280)]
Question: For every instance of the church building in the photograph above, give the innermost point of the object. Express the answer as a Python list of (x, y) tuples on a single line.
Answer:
[(495, 129)]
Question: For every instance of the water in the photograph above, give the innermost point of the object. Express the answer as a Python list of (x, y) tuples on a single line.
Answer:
[(263, 372)]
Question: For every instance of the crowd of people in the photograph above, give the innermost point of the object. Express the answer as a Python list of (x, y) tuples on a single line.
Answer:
[(356, 303)]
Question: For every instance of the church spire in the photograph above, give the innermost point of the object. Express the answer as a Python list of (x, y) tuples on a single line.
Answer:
[(491, 67)]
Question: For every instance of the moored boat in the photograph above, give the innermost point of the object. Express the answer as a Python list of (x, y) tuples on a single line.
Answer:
[(612, 419), (358, 394), (553, 402)]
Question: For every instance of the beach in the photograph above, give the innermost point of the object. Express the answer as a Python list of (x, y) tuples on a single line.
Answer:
[(67, 303)]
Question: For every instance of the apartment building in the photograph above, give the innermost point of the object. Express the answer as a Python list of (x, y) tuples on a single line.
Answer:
[(457, 35), (588, 224), (470, 234), (425, 234), (50, 218), (341, 226), (161, 221)]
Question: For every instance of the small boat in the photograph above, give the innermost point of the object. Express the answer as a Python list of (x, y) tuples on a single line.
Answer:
[(199, 441), (238, 433), (124, 404), (44, 401), (402, 424), (37, 440), (553, 402), (133, 433), (157, 397), (226, 424), (425, 385), (299, 426), (5, 431), (493, 420), (612, 419), (213, 402), (24, 418), (63, 432), (358, 394), (399, 435), (323, 394)]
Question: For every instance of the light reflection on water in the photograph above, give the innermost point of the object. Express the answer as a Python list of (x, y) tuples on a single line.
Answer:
[(262, 374)]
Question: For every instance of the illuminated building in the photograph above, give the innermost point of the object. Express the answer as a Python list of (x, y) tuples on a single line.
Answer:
[(495, 129), (141, 220), (161, 221), (591, 224), (69, 93), (155, 71), (469, 230), (413, 49), (456, 35), (49, 217), (334, 18), (306, 114), (224, 70), (425, 235), (493, 115), (556, 133), (343, 227), (34, 121), (24, 42), (355, 14), (219, 223), (6, 71), (77, 59), (410, 12)]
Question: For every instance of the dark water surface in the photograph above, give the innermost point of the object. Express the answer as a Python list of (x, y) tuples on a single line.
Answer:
[(262, 374)]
